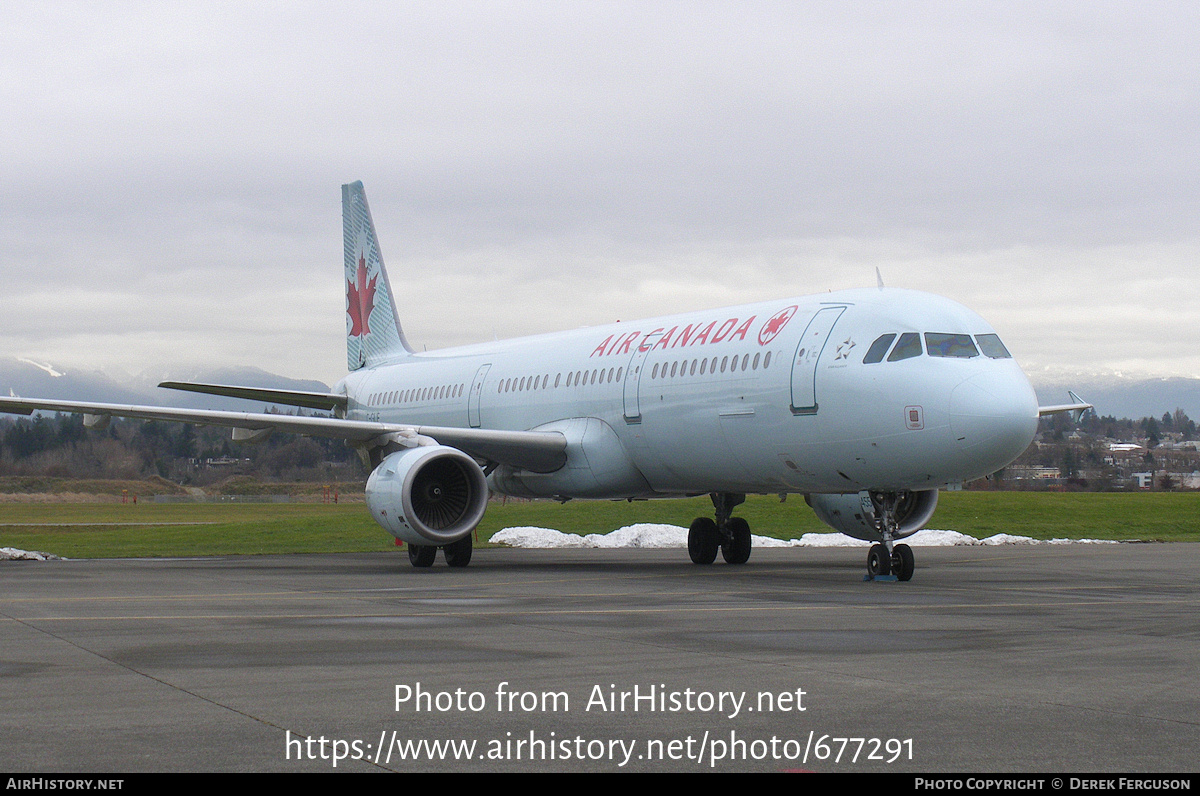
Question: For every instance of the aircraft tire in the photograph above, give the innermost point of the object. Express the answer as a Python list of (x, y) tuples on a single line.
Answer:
[(878, 561), (458, 554), (421, 555), (903, 562), (737, 549), (703, 541)]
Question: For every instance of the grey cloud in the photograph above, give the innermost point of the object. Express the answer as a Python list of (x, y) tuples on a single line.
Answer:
[(1037, 161)]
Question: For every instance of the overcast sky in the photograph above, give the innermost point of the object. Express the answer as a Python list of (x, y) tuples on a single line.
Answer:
[(170, 171)]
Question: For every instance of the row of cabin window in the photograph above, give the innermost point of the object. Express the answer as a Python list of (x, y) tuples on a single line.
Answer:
[(602, 376), (681, 368), (938, 344), (417, 394), (577, 378)]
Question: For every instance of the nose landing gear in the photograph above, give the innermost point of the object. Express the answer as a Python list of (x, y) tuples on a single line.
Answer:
[(887, 559)]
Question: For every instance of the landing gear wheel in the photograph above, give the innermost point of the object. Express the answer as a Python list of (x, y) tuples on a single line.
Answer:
[(703, 541), (421, 555), (878, 561), (737, 549), (458, 554), (903, 562)]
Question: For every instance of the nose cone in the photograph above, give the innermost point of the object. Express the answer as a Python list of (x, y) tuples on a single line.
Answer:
[(993, 417)]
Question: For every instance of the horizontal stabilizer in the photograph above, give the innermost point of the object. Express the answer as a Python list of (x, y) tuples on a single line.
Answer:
[(309, 400)]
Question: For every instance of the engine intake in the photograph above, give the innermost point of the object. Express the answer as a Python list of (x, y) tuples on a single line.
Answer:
[(428, 495), (846, 513)]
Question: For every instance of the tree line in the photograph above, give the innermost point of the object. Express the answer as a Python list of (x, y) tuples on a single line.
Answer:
[(60, 446)]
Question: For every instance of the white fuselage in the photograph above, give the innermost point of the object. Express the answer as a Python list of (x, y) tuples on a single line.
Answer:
[(771, 397)]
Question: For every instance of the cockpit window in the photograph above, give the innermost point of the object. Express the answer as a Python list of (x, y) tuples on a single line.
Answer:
[(909, 346), (950, 345), (878, 349), (992, 347)]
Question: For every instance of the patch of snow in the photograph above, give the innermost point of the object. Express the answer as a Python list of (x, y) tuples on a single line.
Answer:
[(13, 554), (640, 535), (1005, 538), (46, 366), (663, 536)]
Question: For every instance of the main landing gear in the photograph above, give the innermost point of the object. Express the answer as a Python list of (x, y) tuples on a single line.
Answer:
[(457, 554), (887, 558), (730, 534)]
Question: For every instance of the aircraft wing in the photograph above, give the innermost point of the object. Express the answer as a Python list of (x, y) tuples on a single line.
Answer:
[(539, 451)]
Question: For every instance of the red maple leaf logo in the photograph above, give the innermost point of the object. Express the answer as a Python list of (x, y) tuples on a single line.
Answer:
[(361, 300), (774, 325)]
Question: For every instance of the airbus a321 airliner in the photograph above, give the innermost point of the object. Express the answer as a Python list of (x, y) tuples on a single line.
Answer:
[(864, 401)]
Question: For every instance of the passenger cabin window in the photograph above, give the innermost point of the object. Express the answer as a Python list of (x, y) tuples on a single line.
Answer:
[(878, 349), (908, 347), (992, 347), (950, 345)]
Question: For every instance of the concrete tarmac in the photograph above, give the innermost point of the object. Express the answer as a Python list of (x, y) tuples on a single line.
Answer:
[(1081, 658)]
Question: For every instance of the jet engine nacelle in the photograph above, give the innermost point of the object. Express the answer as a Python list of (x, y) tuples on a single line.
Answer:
[(851, 513), (428, 495)]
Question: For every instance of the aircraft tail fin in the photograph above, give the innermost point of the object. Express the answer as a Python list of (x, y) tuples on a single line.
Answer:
[(373, 331)]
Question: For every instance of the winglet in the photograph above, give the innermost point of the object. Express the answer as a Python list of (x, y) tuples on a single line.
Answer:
[(1076, 409), (878, 278)]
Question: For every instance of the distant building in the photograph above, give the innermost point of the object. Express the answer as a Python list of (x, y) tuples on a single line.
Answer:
[(224, 461), (1031, 472)]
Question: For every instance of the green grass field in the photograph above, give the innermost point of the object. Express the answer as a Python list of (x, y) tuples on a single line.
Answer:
[(150, 529)]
